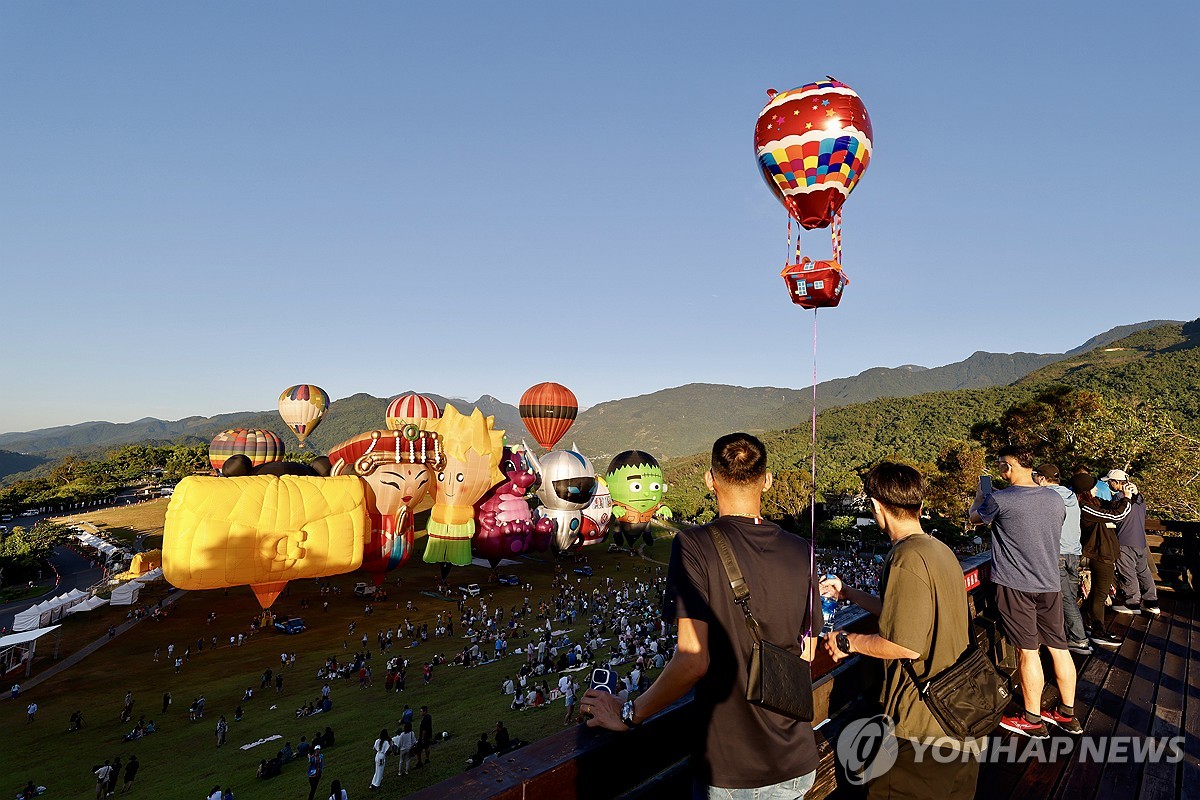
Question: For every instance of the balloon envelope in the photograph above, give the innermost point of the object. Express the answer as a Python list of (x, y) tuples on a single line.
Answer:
[(410, 409), (548, 411), (302, 407), (813, 145), (261, 447)]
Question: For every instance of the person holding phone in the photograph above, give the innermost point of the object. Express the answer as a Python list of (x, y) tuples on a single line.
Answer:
[(739, 750), (1027, 522)]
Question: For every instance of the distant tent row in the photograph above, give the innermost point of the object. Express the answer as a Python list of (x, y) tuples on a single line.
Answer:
[(98, 544), (53, 610)]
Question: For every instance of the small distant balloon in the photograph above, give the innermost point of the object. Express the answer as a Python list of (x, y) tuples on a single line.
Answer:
[(548, 411), (302, 407)]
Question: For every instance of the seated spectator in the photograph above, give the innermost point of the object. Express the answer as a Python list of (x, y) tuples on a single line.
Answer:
[(286, 754), (328, 736)]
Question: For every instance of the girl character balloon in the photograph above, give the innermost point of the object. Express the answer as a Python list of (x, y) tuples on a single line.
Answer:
[(503, 518), (398, 469), (473, 449)]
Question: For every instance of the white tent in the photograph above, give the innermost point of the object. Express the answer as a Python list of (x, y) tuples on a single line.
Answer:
[(48, 611), (153, 575), (87, 605), (126, 594)]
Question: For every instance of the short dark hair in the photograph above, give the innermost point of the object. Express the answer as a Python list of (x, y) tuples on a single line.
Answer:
[(1023, 455), (739, 458), (898, 486)]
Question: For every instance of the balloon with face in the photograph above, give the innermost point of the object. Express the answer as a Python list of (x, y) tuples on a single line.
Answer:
[(504, 523), (636, 482), (568, 484), (397, 468)]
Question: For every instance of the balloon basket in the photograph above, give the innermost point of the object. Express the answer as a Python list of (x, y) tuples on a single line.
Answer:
[(815, 284)]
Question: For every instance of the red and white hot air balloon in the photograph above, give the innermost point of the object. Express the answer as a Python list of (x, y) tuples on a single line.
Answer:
[(410, 409)]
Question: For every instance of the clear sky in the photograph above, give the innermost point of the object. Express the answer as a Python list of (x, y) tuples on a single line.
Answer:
[(203, 203)]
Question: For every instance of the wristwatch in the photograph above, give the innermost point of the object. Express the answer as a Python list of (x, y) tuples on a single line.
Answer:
[(627, 715), (843, 642)]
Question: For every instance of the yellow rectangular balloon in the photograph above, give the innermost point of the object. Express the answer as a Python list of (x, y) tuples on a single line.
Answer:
[(263, 529)]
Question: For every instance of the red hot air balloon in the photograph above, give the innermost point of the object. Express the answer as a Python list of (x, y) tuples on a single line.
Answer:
[(410, 409), (548, 411), (813, 145)]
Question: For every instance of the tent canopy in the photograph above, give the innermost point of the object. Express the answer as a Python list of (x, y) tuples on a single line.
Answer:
[(27, 636)]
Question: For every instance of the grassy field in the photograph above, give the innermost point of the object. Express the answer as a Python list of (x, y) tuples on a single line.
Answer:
[(128, 522), (182, 761)]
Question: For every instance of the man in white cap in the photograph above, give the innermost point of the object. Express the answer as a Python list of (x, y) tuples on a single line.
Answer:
[(1133, 569)]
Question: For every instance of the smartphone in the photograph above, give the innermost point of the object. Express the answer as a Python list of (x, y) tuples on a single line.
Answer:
[(604, 680), (985, 485)]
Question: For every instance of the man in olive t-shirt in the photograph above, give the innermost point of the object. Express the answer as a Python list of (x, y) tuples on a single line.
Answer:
[(922, 617)]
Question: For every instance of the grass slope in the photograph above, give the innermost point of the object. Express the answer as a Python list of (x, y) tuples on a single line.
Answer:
[(182, 761)]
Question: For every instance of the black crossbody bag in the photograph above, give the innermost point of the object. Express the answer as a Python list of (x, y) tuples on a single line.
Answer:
[(967, 698), (777, 680)]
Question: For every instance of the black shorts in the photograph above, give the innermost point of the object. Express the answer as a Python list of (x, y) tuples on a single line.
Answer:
[(1032, 618)]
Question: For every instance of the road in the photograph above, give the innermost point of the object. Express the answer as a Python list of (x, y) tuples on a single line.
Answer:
[(75, 572)]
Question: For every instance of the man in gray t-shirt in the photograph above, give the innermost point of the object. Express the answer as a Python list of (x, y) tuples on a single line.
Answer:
[(1027, 524)]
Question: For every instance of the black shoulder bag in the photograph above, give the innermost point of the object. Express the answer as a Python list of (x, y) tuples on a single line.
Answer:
[(967, 698), (777, 679)]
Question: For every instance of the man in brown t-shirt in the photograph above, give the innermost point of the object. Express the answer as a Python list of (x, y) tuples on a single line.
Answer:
[(741, 750), (922, 617)]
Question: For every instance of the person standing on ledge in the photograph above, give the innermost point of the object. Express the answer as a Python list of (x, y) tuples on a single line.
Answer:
[(742, 750)]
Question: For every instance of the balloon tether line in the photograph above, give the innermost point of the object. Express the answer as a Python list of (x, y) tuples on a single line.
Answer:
[(812, 503)]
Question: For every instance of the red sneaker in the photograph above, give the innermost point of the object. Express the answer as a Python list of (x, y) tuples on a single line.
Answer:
[(1069, 724), (1018, 724)]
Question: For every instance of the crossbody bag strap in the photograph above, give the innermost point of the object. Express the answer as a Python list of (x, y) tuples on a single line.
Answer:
[(741, 592), (923, 688)]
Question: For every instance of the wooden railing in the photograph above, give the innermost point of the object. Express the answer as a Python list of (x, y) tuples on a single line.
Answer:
[(588, 764)]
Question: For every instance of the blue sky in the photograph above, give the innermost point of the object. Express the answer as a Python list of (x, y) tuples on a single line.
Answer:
[(204, 203)]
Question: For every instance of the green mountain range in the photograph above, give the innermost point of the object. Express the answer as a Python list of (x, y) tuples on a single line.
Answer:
[(1160, 365), (669, 423)]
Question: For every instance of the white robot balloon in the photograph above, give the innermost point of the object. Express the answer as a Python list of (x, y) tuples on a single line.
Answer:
[(568, 484)]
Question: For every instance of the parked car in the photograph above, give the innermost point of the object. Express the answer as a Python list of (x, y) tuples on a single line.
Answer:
[(585, 571), (470, 590), (365, 589), (509, 580), (290, 625)]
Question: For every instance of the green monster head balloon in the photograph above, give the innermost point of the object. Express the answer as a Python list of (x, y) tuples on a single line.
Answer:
[(636, 483)]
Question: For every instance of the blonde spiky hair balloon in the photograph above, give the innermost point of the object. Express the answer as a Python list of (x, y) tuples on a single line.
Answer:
[(473, 449)]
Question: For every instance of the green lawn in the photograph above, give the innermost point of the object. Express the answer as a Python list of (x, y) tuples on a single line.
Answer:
[(181, 760)]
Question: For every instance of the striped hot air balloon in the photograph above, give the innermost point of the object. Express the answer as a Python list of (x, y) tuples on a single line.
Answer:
[(410, 409), (261, 447), (548, 411), (302, 408)]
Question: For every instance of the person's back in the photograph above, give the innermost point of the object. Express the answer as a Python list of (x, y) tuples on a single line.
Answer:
[(745, 746), (924, 609), (1027, 528)]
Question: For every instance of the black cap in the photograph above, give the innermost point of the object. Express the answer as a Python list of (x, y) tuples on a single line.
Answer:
[(1083, 483), (1048, 471)]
